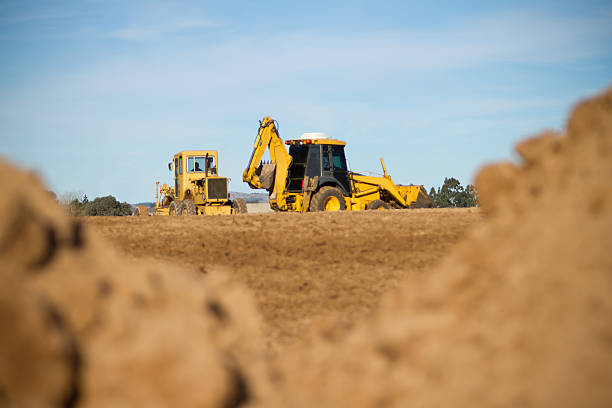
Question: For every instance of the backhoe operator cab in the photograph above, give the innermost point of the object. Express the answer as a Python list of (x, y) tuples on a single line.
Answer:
[(318, 162), (313, 176), (323, 158)]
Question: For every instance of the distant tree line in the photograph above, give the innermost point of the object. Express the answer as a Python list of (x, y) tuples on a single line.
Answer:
[(99, 206), (453, 194)]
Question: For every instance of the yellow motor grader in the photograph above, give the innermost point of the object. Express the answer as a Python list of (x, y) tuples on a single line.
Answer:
[(198, 189), (313, 176)]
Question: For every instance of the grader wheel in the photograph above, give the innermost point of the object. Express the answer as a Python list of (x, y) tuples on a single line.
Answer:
[(239, 206), (174, 207), (187, 207)]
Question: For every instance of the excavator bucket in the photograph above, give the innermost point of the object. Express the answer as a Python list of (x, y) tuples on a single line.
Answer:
[(415, 196), (265, 173)]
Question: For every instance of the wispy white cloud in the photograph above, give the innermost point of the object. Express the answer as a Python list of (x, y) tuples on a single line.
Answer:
[(27, 17), (296, 60), (139, 32), (286, 59), (501, 38), (351, 85), (157, 19)]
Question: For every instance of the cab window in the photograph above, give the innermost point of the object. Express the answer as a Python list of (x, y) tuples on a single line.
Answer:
[(325, 158), (212, 166), (180, 165), (197, 164), (338, 158)]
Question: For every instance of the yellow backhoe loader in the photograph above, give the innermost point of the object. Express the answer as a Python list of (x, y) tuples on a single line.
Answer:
[(197, 190), (313, 176)]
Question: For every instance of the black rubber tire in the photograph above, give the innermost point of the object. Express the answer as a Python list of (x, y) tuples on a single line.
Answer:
[(187, 207), (239, 206), (377, 205), (317, 203), (165, 202), (173, 208)]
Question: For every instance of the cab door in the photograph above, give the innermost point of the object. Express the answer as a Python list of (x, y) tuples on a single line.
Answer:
[(178, 179), (326, 167), (339, 168), (333, 165)]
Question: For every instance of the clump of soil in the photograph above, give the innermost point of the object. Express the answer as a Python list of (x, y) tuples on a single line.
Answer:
[(518, 315), (79, 325)]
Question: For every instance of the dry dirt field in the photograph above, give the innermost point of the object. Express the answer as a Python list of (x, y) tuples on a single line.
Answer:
[(506, 306), (327, 269)]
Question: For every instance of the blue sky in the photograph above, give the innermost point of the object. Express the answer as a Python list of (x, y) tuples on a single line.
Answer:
[(96, 96)]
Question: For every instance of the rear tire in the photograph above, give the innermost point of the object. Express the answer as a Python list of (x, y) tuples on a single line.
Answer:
[(328, 199), (187, 207), (239, 206), (377, 205), (173, 208)]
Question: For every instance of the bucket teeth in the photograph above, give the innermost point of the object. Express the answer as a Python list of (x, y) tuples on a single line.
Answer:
[(266, 173)]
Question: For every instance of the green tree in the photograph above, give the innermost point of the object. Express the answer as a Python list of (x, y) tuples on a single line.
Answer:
[(75, 207), (432, 196), (447, 195), (108, 206), (469, 198), (453, 194)]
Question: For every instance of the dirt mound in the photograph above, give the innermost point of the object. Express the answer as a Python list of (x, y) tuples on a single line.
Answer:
[(519, 315), (81, 326)]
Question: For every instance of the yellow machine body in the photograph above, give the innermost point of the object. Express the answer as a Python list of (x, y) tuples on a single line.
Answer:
[(198, 189), (319, 191)]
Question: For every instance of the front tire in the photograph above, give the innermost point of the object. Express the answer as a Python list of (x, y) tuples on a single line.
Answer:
[(239, 206), (174, 208), (187, 207), (328, 199), (378, 205)]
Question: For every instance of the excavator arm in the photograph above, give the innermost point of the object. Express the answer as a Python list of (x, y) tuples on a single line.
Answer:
[(272, 176)]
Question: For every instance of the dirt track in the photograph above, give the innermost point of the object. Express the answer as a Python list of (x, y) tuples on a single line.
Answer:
[(322, 269)]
